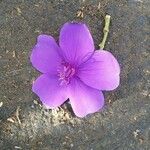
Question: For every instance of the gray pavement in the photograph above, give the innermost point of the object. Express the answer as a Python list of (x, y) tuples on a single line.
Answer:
[(124, 122)]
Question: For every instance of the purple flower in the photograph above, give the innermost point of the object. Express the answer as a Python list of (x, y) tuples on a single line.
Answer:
[(73, 70)]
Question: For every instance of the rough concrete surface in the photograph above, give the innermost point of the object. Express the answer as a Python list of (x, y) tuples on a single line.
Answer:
[(124, 122)]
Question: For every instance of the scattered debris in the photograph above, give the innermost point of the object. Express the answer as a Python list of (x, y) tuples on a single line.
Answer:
[(141, 140), (71, 145), (1, 104), (37, 31), (36, 5), (80, 14), (55, 112), (136, 133), (135, 118), (17, 115), (60, 116), (35, 102), (138, 1), (11, 120), (109, 101), (147, 72), (14, 54), (32, 106), (18, 147), (99, 6), (32, 80), (18, 11), (64, 143), (40, 105), (145, 93)]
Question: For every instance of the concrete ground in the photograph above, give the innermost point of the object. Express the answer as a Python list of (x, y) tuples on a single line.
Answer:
[(124, 122)]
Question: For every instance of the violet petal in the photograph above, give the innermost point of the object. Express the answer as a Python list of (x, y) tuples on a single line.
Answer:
[(48, 88), (44, 55), (76, 42), (101, 71), (84, 99)]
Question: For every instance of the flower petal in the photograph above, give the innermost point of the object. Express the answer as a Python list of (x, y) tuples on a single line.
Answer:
[(76, 42), (51, 94), (84, 99), (101, 71), (45, 57)]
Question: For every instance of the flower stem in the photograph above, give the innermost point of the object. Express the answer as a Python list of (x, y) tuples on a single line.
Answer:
[(105, 31)]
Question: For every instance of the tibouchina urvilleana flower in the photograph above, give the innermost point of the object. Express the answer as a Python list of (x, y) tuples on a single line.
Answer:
[(73, 70)]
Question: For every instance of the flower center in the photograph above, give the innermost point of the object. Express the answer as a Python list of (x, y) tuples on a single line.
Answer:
[(65, 73)]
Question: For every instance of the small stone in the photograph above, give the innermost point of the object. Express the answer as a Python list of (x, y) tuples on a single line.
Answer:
[(10, 120), (37, 5), (14, 54), (141, 140), (64, 143), (37, 31), (135, 118), (67, 116), (18, 11), (145, 93), (1, 104), (32, 106), (18, 147), (136, 133), (40, 105), (80, 14), (99, 5), (35, 102)]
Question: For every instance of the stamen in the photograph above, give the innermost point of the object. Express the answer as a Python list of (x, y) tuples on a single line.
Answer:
[(65, 73)]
